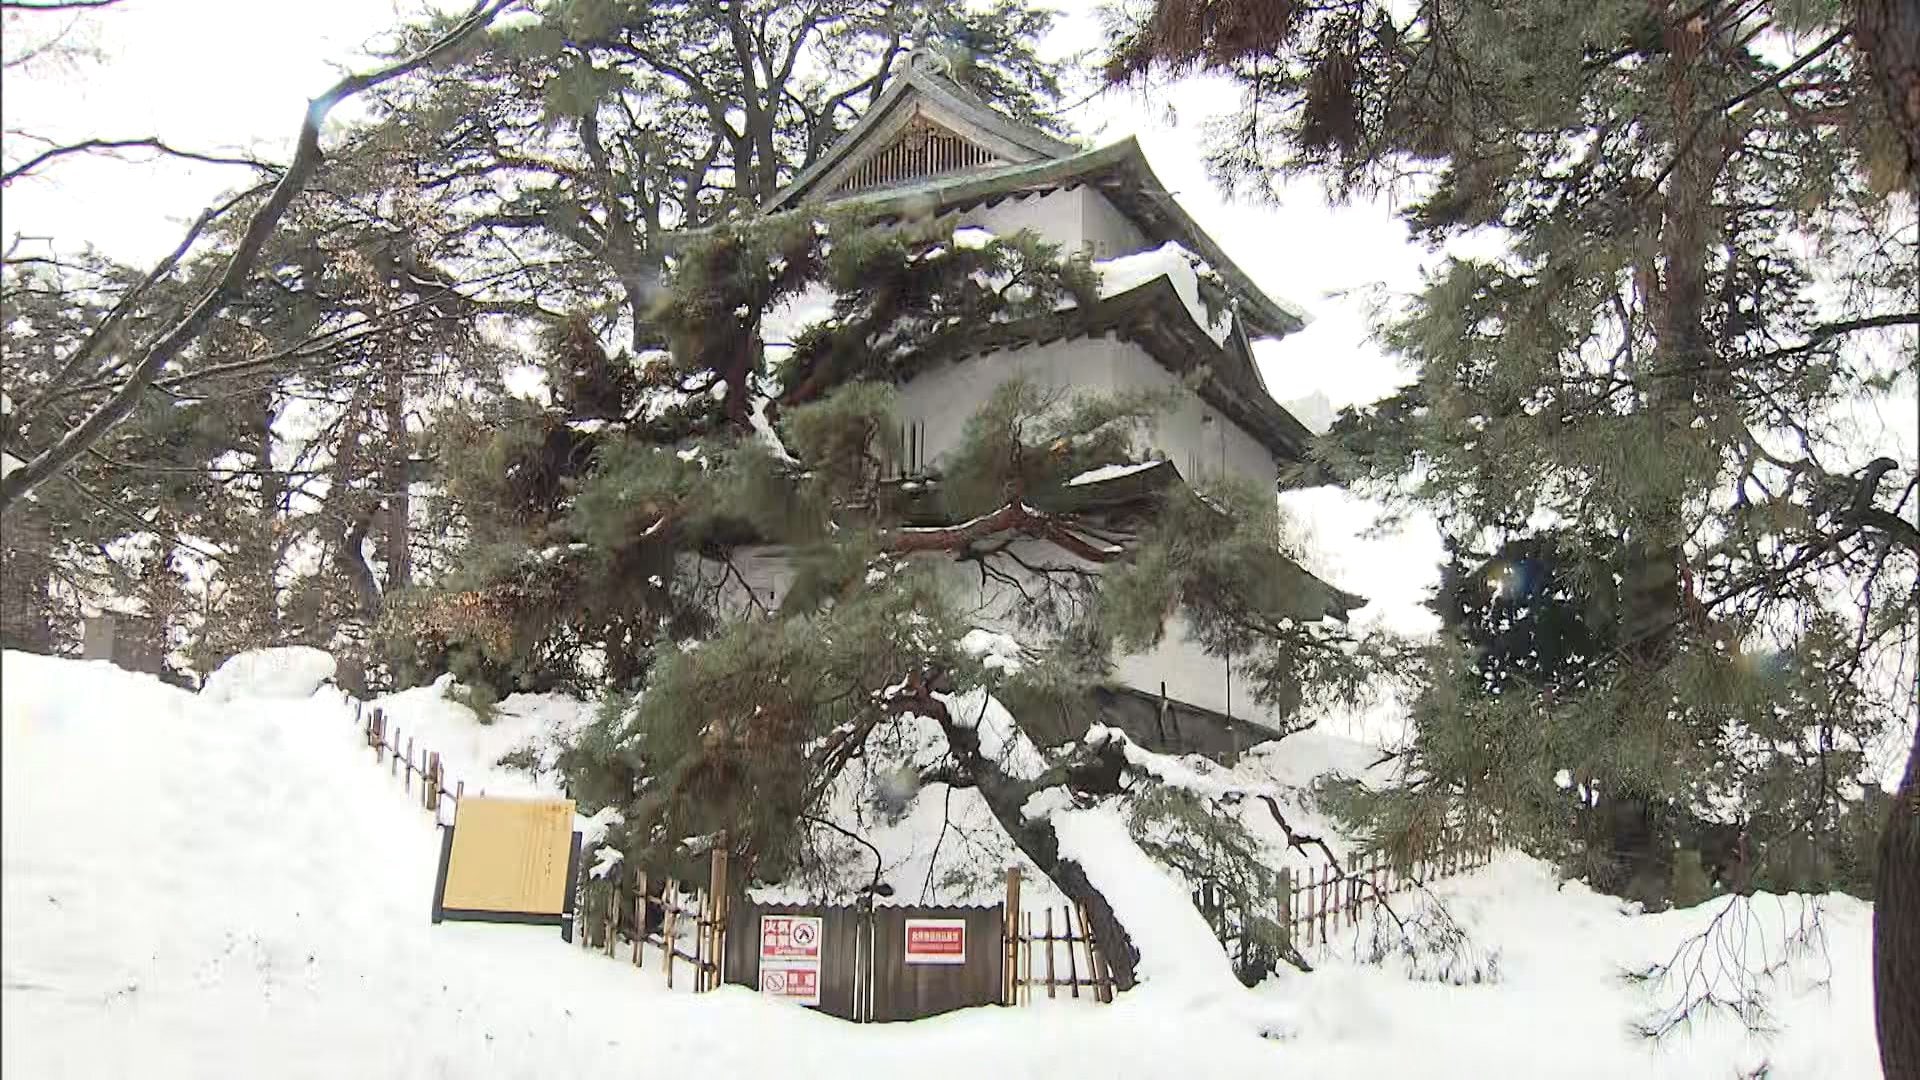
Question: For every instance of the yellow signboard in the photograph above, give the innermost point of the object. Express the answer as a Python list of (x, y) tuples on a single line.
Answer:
[(509, 857)]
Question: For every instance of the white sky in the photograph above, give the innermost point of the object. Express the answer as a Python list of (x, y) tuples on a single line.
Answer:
[(222, 75), (225, 75)]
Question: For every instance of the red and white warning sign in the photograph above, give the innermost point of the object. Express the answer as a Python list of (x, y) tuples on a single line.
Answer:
[(936, 941), (797, 983), (790, 957)]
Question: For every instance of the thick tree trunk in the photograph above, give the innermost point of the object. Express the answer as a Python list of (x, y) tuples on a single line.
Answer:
[(1007, 796), (26, 576), (395, 479), (349, 560), (1896, 930), (1888, 31)]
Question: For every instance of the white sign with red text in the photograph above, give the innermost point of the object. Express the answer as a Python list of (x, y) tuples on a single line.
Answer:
[(936, 941), (790, 958)]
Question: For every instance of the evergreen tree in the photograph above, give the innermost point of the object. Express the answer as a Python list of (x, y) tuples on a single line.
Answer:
[(1652, 359), (572, 145), (750, 711)]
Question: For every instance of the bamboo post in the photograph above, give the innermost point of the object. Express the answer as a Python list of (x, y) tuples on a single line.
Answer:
[(1357, 896), (1050, 981), (639, 916), (1026, 957), (409, 764), (699, 940), (718, 889), (393, 763), (1284, 906), (1326, 900), (1073, 965), (1306, 906), (1010, 947), (1097, 969), (377, 736), (613, 917), (670, 904), (1086, 942), (432, 782)]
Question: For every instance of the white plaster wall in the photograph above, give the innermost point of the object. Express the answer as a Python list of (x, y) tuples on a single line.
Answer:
[(1186, 672), (1080, 219), (1191, 676), (1200, 442), (1108, 232), (764, 575), (1054, 216)]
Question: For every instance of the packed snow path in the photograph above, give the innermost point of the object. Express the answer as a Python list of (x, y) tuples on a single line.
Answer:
[(223, 889)]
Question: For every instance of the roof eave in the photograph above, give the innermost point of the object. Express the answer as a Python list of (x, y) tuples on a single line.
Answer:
[(1263, 315), (1153, 316)]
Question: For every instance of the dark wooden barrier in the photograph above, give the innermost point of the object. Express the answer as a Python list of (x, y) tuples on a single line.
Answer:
[(903, 991), (864, 975), (842, 933)]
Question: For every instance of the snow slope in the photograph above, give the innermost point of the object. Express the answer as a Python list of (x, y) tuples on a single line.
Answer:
[(197, 888), (470, 751)]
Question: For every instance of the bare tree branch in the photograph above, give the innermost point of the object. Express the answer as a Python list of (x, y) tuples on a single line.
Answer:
[(91, 146), (53, 5), (191, 324)]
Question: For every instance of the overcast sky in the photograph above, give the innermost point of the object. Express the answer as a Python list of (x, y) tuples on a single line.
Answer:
[(217, 75), (235, 74)]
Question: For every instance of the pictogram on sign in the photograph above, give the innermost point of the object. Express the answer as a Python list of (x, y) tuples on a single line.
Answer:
[(790, 958)]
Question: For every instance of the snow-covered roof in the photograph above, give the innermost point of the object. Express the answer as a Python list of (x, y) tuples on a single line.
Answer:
[(1155, 316), (1004, 158), (1120, 173)]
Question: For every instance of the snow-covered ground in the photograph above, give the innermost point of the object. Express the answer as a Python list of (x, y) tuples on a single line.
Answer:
[(202, 888)]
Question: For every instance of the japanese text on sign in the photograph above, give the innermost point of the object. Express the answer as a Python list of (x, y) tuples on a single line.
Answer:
[(936, 941), (790, 957)]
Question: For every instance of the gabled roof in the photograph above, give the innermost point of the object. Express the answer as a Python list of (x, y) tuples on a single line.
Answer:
[(931, 98), (1003, 159), (1119, 171)]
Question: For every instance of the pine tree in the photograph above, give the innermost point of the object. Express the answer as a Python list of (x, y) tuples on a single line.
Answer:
[(750, 716), (1650, 360), (594, 131)]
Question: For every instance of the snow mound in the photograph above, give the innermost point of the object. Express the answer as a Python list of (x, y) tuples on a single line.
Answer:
[(293, 671), (197, 887), (1181, 962), (996, 651), (529, 727)]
